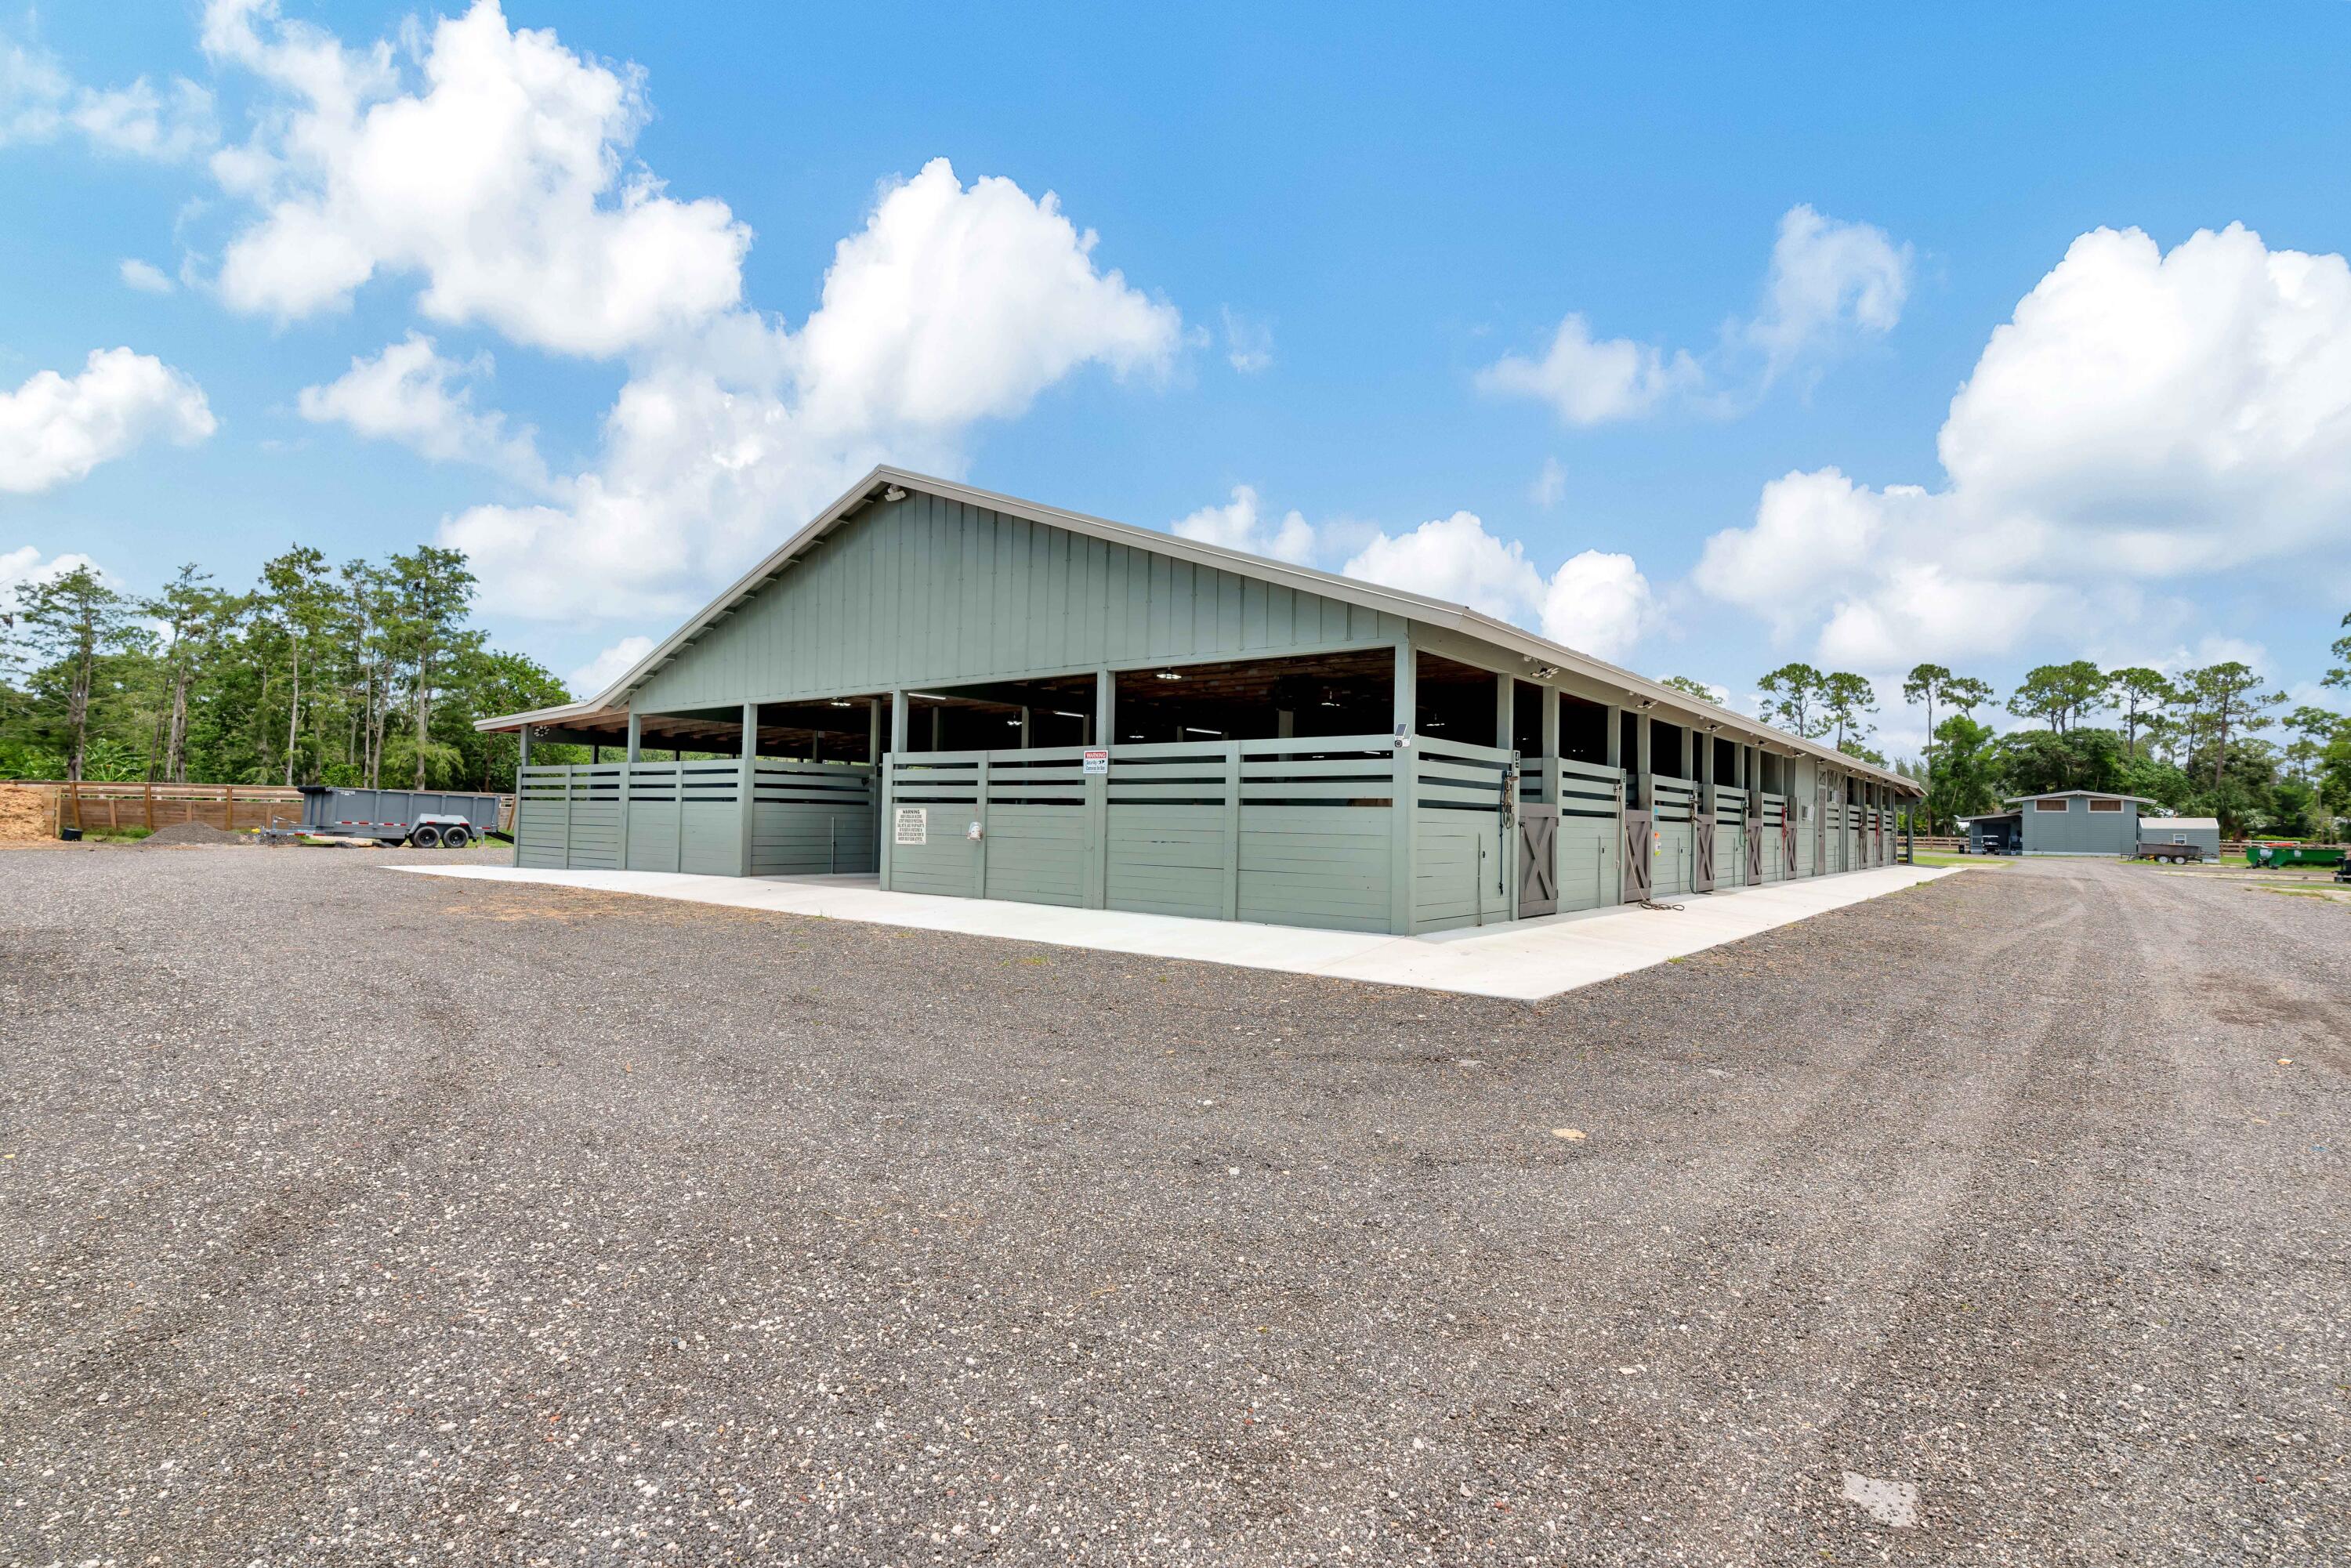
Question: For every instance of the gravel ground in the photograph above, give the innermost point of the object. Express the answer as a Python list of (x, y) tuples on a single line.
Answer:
[(349, 1217)]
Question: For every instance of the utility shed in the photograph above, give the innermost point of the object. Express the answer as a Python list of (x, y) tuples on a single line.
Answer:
[(2202, 834), (968, 695), (2078, 822)]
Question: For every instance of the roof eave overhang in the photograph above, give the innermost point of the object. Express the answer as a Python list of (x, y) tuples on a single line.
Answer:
[(1654, 696)]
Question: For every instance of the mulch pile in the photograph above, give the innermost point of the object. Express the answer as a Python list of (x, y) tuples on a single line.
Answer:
[(28, 814)]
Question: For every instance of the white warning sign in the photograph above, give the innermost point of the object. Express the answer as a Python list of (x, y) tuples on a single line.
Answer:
[(913, 826)]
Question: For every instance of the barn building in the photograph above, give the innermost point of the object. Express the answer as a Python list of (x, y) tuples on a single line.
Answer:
[(963, 694), (2062, 822)]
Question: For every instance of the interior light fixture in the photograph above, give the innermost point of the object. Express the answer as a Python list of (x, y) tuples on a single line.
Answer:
[(1169, 675), (843, 702), (1196, 729)]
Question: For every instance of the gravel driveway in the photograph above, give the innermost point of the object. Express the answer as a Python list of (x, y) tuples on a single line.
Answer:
[(349, 1217)]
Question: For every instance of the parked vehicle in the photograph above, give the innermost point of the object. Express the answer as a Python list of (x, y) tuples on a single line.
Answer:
[(428, 818)]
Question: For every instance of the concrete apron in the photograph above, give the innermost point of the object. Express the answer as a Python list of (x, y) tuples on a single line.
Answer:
[(1527, 960)]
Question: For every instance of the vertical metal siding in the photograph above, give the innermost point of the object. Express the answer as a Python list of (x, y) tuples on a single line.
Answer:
[(926, 590)]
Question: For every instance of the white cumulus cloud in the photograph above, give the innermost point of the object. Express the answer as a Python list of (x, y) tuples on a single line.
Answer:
[(954, 305), (1597, 603), (1591, 381), (24, 566), (55, 428), (1240, 523), (493, 165), (2144, 416), (145, 277), (1830, 282), (608, 666), (40, 102), (410, 394)]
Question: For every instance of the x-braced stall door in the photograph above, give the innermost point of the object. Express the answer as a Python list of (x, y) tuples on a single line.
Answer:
[(1788, 845), (1637, 845), (1538, 860), (1702, 852), (1754, 840)]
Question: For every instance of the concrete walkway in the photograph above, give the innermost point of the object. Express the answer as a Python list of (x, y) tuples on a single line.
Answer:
[(1527, 960)]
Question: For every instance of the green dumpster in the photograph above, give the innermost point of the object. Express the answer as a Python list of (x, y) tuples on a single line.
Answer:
[(2284, 853)]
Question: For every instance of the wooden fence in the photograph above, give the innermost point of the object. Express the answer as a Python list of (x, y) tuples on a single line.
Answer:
[(110, 808)]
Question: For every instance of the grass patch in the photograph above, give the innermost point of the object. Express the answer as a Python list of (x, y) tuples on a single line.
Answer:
[(114, 835), (1922, 858)]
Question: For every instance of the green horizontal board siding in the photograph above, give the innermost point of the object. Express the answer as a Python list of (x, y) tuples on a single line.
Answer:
[(1669, 861), (809, 839), (1590, 874), (1729, 854), (1036, 854), (1315, 865), (1167, 860), (1457, 869), (947, 865), (712, 843), (925, 590), (652, 835)]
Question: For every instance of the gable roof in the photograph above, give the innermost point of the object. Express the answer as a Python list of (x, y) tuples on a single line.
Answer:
[(886, 482), (2084, 794)]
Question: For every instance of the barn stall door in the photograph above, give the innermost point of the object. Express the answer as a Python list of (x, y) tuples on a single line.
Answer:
[(1638, 870), (1537, 869)]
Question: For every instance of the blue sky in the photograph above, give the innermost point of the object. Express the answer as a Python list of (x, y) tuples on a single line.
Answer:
[(1346, 263)]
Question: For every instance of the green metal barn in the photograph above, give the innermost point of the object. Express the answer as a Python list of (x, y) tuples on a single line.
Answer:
[(967, 694)]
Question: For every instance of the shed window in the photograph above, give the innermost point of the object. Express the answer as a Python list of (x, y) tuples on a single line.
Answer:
[(2106, 805), (2049, 805)]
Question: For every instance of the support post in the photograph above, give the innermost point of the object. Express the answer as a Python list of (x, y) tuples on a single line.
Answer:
[(873, 731), (1403, 814), (1105, 708), (884, 787), (980, 815), (522, 761), (1232, 889), (1024, 727), (1644, 763), (628, 781), (746, 795), (1506, 714)]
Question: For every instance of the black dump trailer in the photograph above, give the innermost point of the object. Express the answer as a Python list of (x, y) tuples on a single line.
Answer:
[(426, 818)]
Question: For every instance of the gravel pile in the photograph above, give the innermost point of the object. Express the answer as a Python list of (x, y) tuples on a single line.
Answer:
[(192, 834), (1966, 1224)]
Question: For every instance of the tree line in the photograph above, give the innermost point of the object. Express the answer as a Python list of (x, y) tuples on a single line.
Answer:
[(2193, 742), (367, 674)]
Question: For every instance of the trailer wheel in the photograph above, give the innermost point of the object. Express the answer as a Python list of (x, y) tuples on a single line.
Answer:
[(456, 838), (427, 837)]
